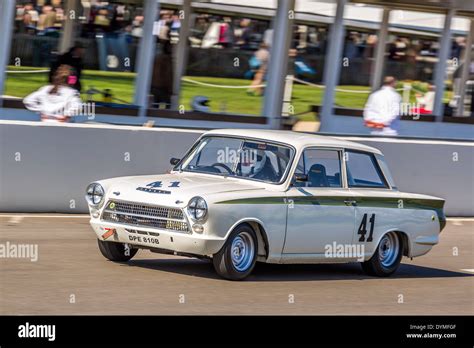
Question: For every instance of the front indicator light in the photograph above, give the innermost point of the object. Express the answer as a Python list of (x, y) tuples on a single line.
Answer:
[(198, 228)]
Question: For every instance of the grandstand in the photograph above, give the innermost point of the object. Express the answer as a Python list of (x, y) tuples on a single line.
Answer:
[(342, 49)]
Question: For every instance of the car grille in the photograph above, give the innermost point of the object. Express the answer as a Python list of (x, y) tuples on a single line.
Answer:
[(145, 215)]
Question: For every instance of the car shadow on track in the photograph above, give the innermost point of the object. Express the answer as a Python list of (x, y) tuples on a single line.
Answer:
[(272, 272)]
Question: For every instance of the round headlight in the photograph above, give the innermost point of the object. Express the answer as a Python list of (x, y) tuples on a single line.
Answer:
[(197, 208), (94, 194)]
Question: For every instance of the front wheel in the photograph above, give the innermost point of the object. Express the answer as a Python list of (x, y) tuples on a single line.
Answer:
[(236, 259), (117, 252), (386, 258)]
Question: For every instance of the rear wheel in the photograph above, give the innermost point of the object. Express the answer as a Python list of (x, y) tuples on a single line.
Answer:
[(236, 259), (386, 258), (117, 252)]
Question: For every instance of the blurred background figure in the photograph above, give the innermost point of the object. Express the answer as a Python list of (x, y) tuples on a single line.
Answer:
[(226, 33), (175, 26), (197, 33), (244, 34), (47, 19), (162, 27), (162, 82), (426, 101), (56, 102), (102, 18), (258, 63), (72, 58), (383, 108)]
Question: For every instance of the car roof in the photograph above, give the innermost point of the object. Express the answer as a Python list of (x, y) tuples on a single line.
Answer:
[(297, 139)]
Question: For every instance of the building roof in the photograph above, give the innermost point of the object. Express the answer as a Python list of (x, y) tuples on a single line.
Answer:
[(297, 139)]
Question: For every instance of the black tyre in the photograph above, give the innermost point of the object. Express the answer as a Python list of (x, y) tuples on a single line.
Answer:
[(116, 251), (236, 259), (386, 258)]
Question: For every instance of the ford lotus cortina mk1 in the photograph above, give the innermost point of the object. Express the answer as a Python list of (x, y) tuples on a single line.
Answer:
[(242, 196)]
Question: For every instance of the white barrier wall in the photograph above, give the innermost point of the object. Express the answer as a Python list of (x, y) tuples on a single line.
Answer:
[(46, 167)]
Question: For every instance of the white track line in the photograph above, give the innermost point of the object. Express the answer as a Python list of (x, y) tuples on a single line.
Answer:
[(461, 219), (16, 219), (65, 216), (471, 270)]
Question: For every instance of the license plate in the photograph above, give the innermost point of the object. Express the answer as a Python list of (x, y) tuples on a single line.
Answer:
[(143, 239)]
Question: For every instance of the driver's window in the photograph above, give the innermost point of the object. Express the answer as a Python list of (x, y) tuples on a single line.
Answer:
[(260, 161), (322, 167)]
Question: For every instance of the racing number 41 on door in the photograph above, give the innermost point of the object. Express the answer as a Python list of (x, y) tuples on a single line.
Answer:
[(363, 228)]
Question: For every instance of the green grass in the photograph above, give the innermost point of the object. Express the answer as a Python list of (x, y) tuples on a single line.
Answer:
[(222, 99), (238, 101), (234, 101), (121, 83), (20, 85)]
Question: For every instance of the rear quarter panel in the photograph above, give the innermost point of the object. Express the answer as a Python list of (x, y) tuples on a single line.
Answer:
[(420, 217)]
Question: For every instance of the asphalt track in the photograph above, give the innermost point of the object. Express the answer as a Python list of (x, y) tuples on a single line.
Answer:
[(71, 277)]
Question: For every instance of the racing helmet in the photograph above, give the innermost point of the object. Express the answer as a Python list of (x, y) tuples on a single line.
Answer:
[(252, 162)]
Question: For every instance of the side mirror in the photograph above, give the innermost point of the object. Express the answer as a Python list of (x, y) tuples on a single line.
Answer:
[(299, 177), (174, 161)]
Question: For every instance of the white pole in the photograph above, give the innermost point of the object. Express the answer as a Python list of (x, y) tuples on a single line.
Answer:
[(67, 34), (406, 93), (465, 71), (379, 59), (278, 66), (332, 67), (146, 55), (287, 109), (181, 53), (7, 13), (440, 72)]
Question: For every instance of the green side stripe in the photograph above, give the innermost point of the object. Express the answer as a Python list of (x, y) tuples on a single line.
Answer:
[(258, 200), (377, 202), (383, 202)]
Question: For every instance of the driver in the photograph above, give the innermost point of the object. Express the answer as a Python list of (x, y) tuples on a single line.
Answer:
[(257, 166)]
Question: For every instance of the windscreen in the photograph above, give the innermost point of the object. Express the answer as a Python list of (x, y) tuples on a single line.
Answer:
[(238, 157)]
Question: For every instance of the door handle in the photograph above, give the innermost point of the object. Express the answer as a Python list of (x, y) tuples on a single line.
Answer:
[(350, 202)]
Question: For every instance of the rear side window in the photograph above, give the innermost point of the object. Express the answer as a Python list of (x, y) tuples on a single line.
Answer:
[(363, 170)]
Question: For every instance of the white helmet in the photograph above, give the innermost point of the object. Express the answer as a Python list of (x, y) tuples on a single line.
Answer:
[(252, 162)]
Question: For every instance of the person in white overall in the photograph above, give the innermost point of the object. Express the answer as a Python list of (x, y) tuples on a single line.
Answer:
[(57, 102), (382, 110)]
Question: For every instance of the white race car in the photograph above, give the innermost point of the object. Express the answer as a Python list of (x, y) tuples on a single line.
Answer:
[(241, 196)]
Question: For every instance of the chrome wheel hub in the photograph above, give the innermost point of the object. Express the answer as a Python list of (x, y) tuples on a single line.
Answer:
[(242, 251), (388, 249)]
